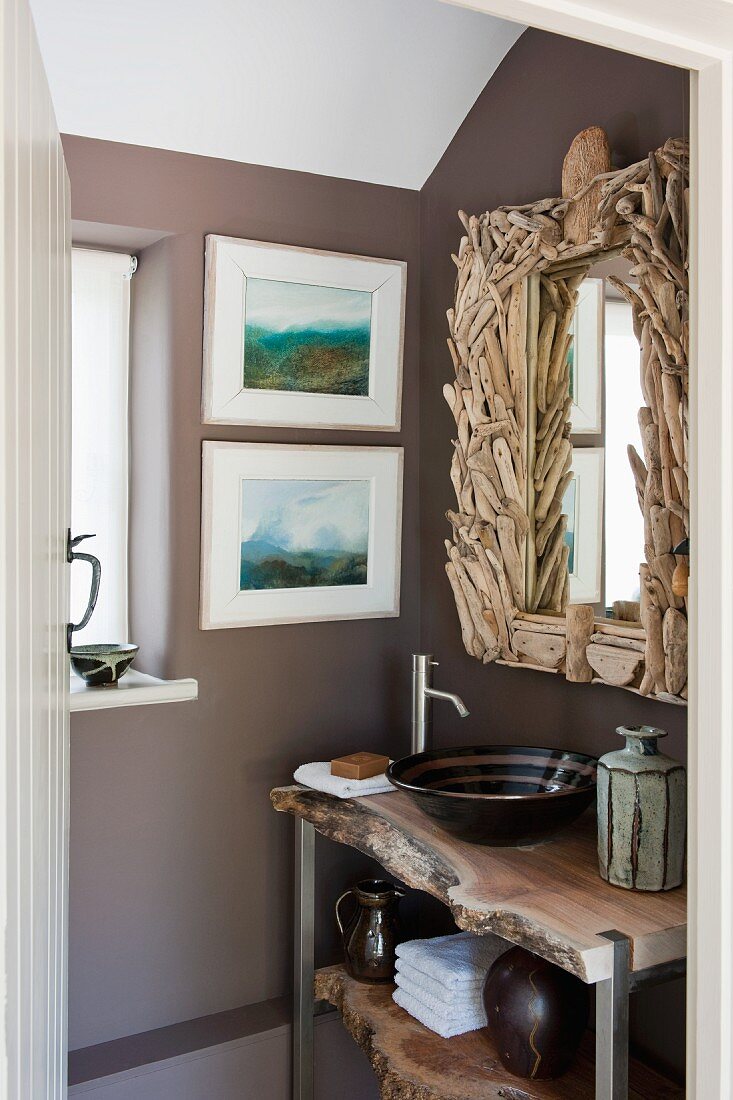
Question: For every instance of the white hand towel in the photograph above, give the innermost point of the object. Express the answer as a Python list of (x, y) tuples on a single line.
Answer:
[(469, 1000), (452, 960), (445, 1024), (436, 988), (318, 776)]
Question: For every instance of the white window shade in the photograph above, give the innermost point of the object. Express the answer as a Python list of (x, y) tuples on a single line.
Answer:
[(100, 437)]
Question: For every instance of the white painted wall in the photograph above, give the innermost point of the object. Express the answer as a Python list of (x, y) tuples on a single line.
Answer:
[(362, 89)]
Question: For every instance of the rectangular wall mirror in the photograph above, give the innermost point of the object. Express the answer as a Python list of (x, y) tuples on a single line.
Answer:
[(569, 337)]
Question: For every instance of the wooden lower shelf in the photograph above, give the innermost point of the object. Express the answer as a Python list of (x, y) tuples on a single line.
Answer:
[(413, 1063)]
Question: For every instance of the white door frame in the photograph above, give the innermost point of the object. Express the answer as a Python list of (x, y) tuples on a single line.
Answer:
[(35, 448), (696, 35)]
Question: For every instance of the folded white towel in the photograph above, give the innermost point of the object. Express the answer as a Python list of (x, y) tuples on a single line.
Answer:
[(446, 1024), (470, 999), (436, 988), (452, 960), (318, 776)]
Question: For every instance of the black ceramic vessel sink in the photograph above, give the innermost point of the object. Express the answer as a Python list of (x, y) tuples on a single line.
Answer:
[(498, 794)]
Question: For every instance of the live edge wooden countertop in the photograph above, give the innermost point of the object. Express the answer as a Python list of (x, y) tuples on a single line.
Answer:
[(548, 897)]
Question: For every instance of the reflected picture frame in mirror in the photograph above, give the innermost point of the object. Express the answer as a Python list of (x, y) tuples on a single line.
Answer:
[(586, 359), (519, 273), (582, 503)]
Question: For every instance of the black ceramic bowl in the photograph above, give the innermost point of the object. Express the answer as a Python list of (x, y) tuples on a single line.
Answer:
[(498, 794), (102, 665)]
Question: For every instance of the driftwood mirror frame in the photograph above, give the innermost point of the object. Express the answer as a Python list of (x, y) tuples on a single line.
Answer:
[(519, 269)]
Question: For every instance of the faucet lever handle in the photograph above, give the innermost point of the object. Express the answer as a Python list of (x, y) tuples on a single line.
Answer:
[(434, 664)]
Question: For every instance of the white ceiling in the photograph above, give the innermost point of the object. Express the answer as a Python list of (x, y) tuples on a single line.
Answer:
[(371, 90)]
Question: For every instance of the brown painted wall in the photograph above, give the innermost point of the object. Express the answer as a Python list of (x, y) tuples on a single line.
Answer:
[(180, 871), (510, 150)]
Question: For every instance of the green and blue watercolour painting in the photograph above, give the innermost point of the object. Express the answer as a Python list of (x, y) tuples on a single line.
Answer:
[(569, 508), (303, 534), (306, 339)]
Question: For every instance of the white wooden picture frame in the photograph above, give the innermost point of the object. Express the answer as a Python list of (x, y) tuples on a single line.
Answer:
[(583, 505), (294, 292), (587, 329), (268, 512)]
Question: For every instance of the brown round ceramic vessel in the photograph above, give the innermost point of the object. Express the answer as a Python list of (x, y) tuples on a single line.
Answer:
[(537, 1014)]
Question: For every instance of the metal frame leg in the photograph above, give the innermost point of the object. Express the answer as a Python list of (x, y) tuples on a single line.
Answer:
[(303, 959), (612, 1025)]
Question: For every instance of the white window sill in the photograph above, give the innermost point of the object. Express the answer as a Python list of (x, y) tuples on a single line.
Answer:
[(133, 690)]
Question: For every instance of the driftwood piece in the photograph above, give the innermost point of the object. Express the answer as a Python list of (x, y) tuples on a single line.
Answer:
[(654, 652), (589, 156), (540, 624), (663, 568), (639, 471), (485, 640), (617, 629), (544, 350), (498, 368), (680, 579), (517, 352), (547, 526), (468, 629), (661, 533), (579, 619), (674, 634), (547, 650), (557, 596), (504, 464), (495, 613), (558, 468), (628, 610), (615, 666), (506, 533), (525, 663), (621, 643), (549, 563)]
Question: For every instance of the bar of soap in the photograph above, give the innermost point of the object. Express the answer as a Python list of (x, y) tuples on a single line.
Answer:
[(360, 765)]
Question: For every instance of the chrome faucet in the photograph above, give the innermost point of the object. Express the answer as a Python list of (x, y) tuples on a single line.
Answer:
[(423, 694)]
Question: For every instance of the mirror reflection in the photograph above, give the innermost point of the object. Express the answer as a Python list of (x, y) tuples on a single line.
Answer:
[(603, 524)]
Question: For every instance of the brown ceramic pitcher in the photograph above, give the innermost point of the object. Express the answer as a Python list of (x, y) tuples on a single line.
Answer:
[(370, 934)]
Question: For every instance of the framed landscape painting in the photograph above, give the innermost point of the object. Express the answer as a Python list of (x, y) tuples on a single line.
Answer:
[(299, 534), (298, 337)]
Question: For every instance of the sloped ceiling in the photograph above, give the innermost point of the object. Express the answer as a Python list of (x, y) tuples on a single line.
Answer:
[(371, 90)]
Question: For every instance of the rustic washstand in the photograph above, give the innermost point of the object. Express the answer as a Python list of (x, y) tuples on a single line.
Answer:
[(547, 898), (519, 271)]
